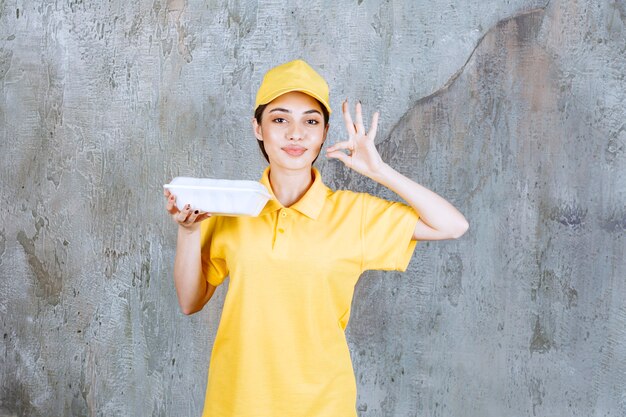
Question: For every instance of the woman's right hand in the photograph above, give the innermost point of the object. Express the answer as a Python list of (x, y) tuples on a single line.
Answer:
[(192, 289), (187, 218)]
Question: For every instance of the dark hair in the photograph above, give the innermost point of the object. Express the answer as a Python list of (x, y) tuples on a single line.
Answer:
[(258, 115)]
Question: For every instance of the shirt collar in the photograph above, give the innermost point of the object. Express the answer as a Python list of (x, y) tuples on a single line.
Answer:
[(310, 204)]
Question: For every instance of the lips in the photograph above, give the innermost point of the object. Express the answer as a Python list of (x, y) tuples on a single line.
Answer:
[(294, 150)]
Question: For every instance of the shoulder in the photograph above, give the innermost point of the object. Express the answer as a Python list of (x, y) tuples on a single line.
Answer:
[(217, 223), (344, 197), (363, 199)]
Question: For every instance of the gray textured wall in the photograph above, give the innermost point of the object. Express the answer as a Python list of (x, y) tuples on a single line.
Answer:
[(513, 110)]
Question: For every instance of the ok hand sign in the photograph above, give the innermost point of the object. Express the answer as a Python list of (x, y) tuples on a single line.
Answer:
[(363, 156)]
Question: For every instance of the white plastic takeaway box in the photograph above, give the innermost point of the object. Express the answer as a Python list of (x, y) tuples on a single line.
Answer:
[(220, 197)]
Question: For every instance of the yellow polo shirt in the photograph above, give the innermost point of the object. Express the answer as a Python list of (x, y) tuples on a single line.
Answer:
[(280, 348)]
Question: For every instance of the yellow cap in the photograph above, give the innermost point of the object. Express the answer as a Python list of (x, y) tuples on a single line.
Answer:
[(295, 75)]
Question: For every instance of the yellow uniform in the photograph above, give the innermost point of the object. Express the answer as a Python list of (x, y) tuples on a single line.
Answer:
[(280, 348)]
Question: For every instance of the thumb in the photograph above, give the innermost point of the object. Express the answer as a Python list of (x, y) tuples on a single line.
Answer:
[(339, 155)]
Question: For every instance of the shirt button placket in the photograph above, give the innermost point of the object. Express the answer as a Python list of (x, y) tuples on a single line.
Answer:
[(282, 229)]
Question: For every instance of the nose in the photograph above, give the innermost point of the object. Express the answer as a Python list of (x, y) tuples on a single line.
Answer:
[(295, 133)]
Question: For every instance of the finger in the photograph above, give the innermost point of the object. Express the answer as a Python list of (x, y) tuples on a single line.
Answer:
[(193, 215), (347, 160), (203, 216), (373, 128), (360, 129), (347, 144), (347, 118), (181, 217), (170, 206)]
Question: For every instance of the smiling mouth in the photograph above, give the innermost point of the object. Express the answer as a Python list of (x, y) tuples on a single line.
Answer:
[(294, 151)]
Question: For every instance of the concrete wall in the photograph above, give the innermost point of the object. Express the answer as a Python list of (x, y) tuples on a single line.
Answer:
[(512, 110)]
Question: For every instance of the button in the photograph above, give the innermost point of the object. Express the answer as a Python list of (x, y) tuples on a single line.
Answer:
[(284, 214), (281, 230)]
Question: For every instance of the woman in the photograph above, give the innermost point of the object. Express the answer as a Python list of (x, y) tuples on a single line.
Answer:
[(280, 349)]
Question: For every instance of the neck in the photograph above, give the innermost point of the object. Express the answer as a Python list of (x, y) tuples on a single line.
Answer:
[(289, 185)]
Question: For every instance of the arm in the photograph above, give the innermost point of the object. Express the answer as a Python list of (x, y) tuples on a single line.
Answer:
[(438, 218), (192, 289)]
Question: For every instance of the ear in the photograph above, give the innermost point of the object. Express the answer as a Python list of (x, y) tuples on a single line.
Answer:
[(257, 129)]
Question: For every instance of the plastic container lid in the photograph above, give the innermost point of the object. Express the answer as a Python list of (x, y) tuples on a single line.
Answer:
[(220, 197)]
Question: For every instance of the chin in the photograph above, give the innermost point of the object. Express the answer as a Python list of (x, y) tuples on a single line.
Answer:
[(292, 163)]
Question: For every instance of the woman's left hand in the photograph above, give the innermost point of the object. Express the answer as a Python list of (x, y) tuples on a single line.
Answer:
[(363, 156)]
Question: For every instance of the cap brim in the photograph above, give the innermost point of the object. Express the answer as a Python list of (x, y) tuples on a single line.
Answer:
[(271, 97)]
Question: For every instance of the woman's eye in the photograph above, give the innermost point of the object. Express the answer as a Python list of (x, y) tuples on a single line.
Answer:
[(278, 118), (314, 121)]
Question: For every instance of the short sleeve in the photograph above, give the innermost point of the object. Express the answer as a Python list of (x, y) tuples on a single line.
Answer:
[(214, 267), (387, 234)]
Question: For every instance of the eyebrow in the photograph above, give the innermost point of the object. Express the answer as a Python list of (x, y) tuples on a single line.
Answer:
[(289, 111)]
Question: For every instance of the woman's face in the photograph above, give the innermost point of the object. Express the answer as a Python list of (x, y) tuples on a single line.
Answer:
[(292, 130)]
